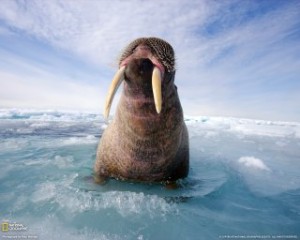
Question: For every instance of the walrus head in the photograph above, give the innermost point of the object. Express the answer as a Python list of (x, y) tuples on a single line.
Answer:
[(146, 65)]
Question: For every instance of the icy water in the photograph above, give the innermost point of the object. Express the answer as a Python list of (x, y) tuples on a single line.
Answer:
[(244, 182)]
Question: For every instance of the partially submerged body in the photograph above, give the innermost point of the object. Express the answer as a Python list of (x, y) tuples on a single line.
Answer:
[(147, 140)]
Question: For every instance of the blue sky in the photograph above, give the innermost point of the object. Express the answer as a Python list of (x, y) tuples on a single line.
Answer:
[(234, 58)]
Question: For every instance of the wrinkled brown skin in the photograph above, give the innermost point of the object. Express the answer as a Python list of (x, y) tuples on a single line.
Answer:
[(140, 144)]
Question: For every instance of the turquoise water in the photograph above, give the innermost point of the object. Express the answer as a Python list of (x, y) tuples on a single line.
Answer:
[(244, 182)]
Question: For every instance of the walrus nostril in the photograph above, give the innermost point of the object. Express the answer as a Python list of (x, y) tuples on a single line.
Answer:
[(145, 65)]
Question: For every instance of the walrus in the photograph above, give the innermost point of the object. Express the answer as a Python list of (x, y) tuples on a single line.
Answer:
[(147, 140)]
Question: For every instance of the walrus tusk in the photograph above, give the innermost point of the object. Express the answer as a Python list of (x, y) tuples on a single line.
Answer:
[(112, 90), (156, 88)]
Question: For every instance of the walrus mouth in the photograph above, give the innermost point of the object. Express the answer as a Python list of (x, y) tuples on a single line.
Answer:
[(159, 52), (117, 80)]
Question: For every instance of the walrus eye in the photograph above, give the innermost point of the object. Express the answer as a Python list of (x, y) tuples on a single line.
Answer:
[(133, 50)]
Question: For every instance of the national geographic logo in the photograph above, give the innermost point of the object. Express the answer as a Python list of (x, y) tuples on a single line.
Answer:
[(14, 230), (7, 227), (4, 226)]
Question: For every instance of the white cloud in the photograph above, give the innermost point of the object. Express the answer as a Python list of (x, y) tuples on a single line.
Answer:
[(31, 91), (100, 29), (229, 72)]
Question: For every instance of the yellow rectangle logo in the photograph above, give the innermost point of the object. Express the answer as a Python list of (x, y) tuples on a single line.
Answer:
[(4, 227)]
